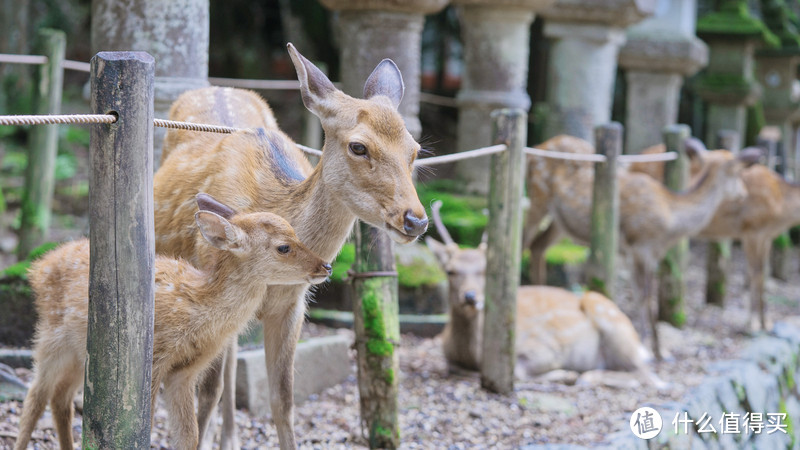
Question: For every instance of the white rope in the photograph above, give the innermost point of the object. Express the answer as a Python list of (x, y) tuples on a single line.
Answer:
[(256, 84), (309, 150), (584, 157), (668, 156), (57, 119), (461, 155), (193, 126), (78, 66), (23, 59)]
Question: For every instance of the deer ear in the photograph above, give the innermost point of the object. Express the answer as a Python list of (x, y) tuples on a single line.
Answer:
[(315, 87), (385, 80), (438, 249), (695, 147), (218, 231), (206, 202), (750, 155)]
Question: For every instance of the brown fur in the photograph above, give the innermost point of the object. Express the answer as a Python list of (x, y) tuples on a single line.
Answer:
[(245, 171), (195, 313), (652, 218)]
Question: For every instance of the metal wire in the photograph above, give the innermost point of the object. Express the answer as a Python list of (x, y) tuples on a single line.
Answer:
[(58, 119)]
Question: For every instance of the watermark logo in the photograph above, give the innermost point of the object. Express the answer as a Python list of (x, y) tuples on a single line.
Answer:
[(646, 423)]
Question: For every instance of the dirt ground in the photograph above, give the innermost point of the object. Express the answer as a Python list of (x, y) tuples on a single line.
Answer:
[(437, 410)]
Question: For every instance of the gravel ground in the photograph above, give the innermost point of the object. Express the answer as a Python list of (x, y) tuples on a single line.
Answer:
[(438, 410)]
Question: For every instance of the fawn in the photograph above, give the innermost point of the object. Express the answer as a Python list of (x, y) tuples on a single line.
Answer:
[(365, 173), (196, 312), (555, 328)]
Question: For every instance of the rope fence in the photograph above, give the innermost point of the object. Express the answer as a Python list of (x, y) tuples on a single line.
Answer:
[(38, 60), (53, 119)]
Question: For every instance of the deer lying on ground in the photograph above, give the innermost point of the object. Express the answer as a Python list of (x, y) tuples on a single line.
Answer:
[(365, 172), (555, 329), (652, 218), (196, 312), (771, 206)]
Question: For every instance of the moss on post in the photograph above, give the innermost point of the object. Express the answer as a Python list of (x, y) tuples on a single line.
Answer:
[(377, 327), (672, 286)]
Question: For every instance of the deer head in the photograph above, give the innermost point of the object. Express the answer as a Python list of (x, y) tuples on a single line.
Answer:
[(259, 240), (368, 152), (466, 269)]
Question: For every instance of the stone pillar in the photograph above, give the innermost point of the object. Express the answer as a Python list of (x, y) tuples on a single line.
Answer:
[(659, 52), (496, 36), (371, 30), (587, 36), (175, 33), (777, 74)]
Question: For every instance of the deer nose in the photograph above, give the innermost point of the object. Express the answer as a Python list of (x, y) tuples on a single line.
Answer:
[(413, 225), (470, 298), (328, 268)]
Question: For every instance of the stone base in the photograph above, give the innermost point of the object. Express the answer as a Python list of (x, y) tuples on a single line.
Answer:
[(319, 364)]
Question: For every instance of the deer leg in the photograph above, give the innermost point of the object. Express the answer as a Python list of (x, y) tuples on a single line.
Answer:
[(209, 391), (179, 397), (538, 247), (61, 404), (757, 252), (648, 323), (230, 438), (281, 333), (35, 402)]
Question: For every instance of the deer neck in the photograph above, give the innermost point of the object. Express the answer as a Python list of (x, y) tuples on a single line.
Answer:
[(463, 339), (691, 211)]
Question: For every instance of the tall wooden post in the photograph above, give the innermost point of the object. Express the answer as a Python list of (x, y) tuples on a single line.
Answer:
[(672, 286), (779, 256), (601, 269), (40, 174), (719, 252), (122, 242), (377, 327), (503, 254)]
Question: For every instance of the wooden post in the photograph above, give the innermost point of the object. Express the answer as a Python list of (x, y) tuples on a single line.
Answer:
[(719, 252), (40, 174), (122, 241), (377, 327), (779, 255), (672, 286), (601, 269), (503, 253)]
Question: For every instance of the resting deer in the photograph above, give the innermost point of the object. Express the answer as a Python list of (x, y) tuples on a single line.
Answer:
[(771, 206), (652, 218), (196, 312), (364, 173), (555, 329)]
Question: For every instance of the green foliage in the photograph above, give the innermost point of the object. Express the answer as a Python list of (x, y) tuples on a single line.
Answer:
[(567, 252), (419, 274), (14, 162), (66, 166), (343, 262), (755, 122), (462, 215), (76, 135), (782, 242), (20, 269)]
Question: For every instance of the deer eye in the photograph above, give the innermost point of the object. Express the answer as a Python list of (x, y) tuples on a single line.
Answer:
[(284, 249), (358, 148)]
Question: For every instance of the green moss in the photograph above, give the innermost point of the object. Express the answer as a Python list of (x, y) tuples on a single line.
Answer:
[(782, 242), (567, 252), (389, 376), (462, 215), (718, 287), (343, 262), (20, 269), (420, 274), (789, 423), (755, 122), (377, 343), (733, 18), (678, 318), (598, 285)]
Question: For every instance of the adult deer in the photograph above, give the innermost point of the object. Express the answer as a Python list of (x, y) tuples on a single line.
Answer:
[(770, 207), (555, 329), (652, 218), (364, 173), (196, 312)]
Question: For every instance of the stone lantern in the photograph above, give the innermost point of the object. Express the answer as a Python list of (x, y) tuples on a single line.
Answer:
[(175, 33), (371, 30), (496, 36), (660, 51), (586, 38)]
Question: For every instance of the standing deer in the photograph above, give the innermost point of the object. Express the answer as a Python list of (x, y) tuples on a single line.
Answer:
[(196, 312), (771, 206), (652, 218), (555, 329), (365, 173)]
